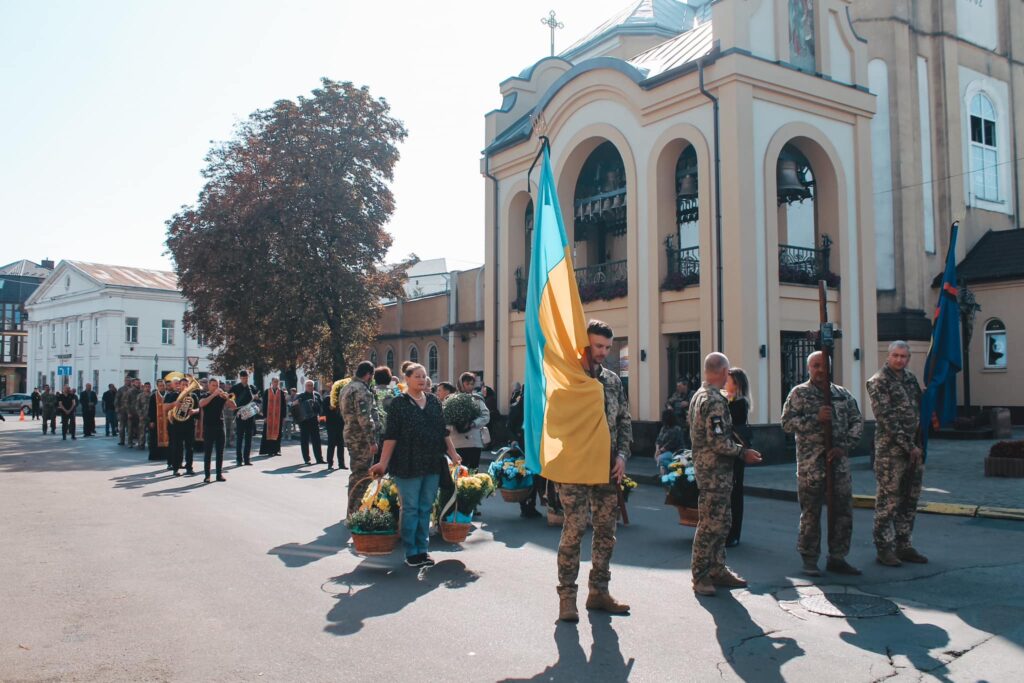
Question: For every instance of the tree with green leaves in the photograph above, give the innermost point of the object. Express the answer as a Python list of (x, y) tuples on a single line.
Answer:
[(281, 257)]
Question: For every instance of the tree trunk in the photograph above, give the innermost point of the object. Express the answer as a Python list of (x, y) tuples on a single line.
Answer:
[(291, 377)]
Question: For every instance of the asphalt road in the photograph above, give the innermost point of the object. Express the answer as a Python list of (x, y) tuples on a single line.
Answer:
[(111, 570)]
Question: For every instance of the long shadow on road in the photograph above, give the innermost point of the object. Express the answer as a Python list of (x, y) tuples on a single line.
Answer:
[(387, 591), (751, 652), (30, 451), (333, 540), (606, 662)]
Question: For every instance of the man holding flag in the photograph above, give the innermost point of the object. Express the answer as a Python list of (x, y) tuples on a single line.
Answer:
[(576, 420)]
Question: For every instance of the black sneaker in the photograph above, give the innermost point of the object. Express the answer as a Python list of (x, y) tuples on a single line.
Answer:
[(428, 561), (206, 479), (177, 473), (419, 560), (220, 478)]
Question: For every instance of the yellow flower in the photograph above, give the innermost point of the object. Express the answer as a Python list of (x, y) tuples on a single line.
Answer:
[(384, 504)]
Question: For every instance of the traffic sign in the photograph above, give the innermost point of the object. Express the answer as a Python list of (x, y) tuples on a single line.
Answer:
[(63, 370), (63, 356)]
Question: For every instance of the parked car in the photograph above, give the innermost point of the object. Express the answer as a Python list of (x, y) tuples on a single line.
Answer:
[(13, 403)]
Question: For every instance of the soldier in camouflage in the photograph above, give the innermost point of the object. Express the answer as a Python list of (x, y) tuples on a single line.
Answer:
[(714, 450), (49, 401), (899, 468), (359, 411), (599, 502), (131, 400), (121, 406), (142, 410), (803, 414)]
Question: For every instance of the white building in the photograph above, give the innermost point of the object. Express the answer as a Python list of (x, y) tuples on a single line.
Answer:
[(105, 322)]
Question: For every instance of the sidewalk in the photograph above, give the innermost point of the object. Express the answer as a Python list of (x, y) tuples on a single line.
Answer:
[(954, 480)]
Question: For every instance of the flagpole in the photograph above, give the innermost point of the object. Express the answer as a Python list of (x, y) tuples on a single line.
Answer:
[(929, 371)]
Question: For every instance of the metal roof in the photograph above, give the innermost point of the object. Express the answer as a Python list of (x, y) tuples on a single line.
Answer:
[(671, 16), (26, 268), (997, 256), (682, 49), (125, 276)]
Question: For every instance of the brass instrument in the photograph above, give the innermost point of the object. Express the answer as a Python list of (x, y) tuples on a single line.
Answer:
[(183, 406)]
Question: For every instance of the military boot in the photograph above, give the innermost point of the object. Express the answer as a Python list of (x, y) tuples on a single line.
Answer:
[(704, 587), (838, 565), (909, 554), (603, 601), (888, 558), (810, 567), (727, 578), (567, 609)]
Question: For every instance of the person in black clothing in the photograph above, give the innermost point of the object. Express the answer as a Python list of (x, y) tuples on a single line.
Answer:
[(35, 403), (335, 432), (66, 406), (183, 434), (737, 390), (88, 400), (110, 410), (309, 407), (213, 404), (244, 429)]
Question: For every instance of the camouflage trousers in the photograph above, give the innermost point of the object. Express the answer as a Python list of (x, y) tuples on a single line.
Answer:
[(122, 425), (360, 459), (714, 507), (810, 474), (899, 487), (134, 429), (600, 505)]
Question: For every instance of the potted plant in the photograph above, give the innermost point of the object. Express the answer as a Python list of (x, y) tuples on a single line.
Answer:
[(511, 475), (460, 410), (470, 491), (374, 527), (681, 488)]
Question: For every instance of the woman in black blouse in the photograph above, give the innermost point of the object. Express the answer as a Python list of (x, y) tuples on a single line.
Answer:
[(415, 444), (737, 390)]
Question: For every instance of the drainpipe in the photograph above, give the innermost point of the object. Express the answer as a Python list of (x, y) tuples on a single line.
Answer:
[(1013, 131), (497, 274), (718, 202)]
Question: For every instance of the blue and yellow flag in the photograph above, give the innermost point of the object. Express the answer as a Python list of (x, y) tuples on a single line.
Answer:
[(565, 428), (938, 404)]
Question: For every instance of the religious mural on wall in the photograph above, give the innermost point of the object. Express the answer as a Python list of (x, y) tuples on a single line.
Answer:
[(801, 34)]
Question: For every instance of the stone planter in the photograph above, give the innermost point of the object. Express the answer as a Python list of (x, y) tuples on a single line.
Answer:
[(1004, 467)]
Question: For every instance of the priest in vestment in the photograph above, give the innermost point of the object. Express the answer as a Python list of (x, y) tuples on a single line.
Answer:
[(273, 422), (160, 436)]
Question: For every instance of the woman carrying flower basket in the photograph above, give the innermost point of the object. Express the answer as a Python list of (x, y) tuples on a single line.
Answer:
[(415, 444), (455, 518), (467, 414), (374, 525)]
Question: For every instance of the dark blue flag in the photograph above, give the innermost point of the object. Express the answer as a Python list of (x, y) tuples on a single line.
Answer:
[(938, 404)]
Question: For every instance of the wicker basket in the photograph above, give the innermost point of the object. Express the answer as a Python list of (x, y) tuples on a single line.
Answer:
[(455, 532), (555, 518), (687, 516), (516, 495), (374, 544)]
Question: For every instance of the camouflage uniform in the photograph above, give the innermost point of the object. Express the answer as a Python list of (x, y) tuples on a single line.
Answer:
[(359, 411), (800, 417), (714, 453), (142, 410), (121, 405), (131, 400), (49, 401), (896, 402), (598, 502)]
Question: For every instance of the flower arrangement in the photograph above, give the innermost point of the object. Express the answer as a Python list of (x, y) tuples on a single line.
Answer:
[(388, 500), (681, 480), (460, 410), (511, 472), (470, 492), (372, 521), (627, 486)]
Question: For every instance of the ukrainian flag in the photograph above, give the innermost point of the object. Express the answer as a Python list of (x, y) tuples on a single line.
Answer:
[(565, 428)]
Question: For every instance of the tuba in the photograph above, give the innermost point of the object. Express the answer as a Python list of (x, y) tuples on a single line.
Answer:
[(183, 409)]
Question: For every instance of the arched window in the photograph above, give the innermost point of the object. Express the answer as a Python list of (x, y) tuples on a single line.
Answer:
[(984, 149), (389, 360), (414, 354), (432, 362), (373, 357), (995, 344)]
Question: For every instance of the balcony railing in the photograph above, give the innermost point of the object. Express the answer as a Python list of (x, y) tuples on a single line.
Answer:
[(805, 265), (683, 265), (601, 282)]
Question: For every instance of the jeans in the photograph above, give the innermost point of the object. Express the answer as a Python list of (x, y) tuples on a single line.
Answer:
[(243, 438), (111, 426), (418, 494)]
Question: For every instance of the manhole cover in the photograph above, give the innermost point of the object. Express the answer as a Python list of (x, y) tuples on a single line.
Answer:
[(853, 605)]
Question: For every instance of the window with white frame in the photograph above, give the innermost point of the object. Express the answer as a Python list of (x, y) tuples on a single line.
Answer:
[(95, 330), (389, 359), (67, 334), (167, 332), (984, 149), (373, 357), (41, 330), (53, 336), (995, 344), (81, 332), (131, 330), (432, 362), (414, 354)]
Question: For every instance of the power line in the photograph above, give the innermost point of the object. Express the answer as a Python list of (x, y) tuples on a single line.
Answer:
[(950, 177)]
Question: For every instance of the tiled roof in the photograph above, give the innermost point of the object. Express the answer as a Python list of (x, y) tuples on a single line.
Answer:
[(998, 255), (124, 276), (25, 267), (676, 52), (665, 16)]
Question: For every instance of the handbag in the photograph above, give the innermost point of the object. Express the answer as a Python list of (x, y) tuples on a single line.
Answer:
[(485, 435)]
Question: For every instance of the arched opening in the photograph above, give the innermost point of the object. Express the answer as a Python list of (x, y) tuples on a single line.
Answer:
[(599, 224), (389, 359), (520, 223), (805, 247), (414, 354), (995, 345), (682, 243), (432, 362), (373, 357)]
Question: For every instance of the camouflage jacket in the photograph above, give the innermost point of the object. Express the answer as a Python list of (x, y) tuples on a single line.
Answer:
[(131, 397), (382, 397), (800, 417), (711, 424), (675, 403), (120, 397), (616, 410), (896, 402), (142, 404), (359, 409), (49, 402)]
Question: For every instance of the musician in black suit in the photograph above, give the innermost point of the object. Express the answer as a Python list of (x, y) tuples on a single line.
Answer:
[(244, 429), (308, 409)]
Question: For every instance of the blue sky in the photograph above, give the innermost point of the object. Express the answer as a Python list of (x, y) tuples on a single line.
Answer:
[(109, 107)]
